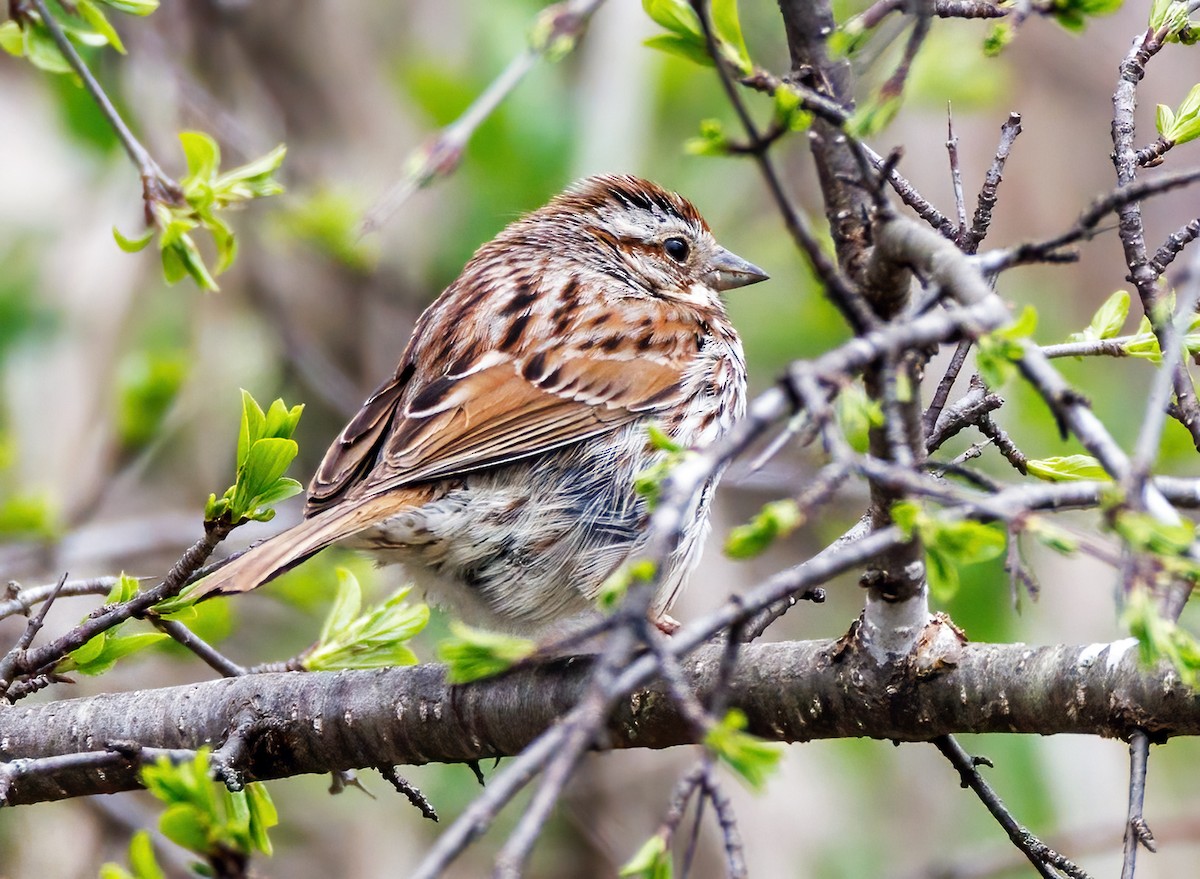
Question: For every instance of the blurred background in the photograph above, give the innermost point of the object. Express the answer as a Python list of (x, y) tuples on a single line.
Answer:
[(119, 396)]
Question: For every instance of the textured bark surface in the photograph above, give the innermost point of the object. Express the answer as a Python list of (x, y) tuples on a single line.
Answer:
[(797, 691)]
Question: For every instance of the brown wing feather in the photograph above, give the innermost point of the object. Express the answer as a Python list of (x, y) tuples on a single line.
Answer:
[(499, 416), (291, 547)]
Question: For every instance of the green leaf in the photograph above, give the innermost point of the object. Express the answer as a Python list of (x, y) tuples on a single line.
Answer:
[(252, 426), (372, 639), (141, 859), (1073, 14), (711, 142), (184, 825), (652, 860), (688, 47), (996, 351), (132, 245), (202, 820), (133, 7), (250, 181), (676, 16), (998, 37), (857, 414), (473, 654), (11, 39), (1069, 468), (789, 113), (202, 154), (92, 14), (1172, 16), (949, 544), (1183, 124), (1058, 539), (39, 47), (89, 660), (124, 589), (728, 31), (263, 816), (751, 758), (873, 115), (776, 519), (613, 589), (1108, 319)]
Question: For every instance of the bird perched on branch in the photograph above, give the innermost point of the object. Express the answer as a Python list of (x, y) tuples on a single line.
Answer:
[(498, 462)]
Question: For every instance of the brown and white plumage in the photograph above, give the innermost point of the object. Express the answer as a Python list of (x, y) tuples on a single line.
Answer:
[(497, 462)]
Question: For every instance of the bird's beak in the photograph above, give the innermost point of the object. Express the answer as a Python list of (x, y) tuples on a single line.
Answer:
[(729, 271)]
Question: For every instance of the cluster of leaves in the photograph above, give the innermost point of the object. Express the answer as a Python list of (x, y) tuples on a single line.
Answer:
[(1160, 639), (789, 115), (374, 638), (685, 36), (1172, 16), (1108, 320), (1073, 15), (473, 654), (752, 759), (101, 653), (204, 192), (1181, 125), (265, 449), (949, 544), (201, 816), (83, 21)]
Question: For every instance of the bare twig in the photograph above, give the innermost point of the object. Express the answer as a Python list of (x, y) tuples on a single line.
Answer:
[(21, 601), (560, 25), (1136, 831), (1048, 863), (991, 183), (156, 184)]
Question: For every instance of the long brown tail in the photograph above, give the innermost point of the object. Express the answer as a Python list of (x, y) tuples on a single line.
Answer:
[(265, 562)]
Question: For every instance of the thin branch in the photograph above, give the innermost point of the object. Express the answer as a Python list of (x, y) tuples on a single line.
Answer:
[(991, 184), (1136, 831), (1174, 245), (21, 601), (560, 25), (1085, 228), (1048, 863), (216, 660), (44, 658), (156, 185), (960, 201), (942, 392), (410, 791), (839, 288)]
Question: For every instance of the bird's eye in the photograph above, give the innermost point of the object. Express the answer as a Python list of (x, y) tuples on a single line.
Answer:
[(677, 249)]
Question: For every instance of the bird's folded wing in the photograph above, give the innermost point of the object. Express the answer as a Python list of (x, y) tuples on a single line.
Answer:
[(498, 410)]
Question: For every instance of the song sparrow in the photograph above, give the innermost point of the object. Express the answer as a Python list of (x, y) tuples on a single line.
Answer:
[(498, 463)]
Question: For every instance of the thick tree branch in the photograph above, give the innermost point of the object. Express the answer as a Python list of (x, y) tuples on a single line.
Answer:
[(791, 692)]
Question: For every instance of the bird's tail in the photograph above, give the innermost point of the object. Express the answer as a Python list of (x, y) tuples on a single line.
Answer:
[(263, 563)]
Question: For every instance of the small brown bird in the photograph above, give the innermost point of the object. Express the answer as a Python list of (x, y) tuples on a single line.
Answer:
[(498, 463)]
